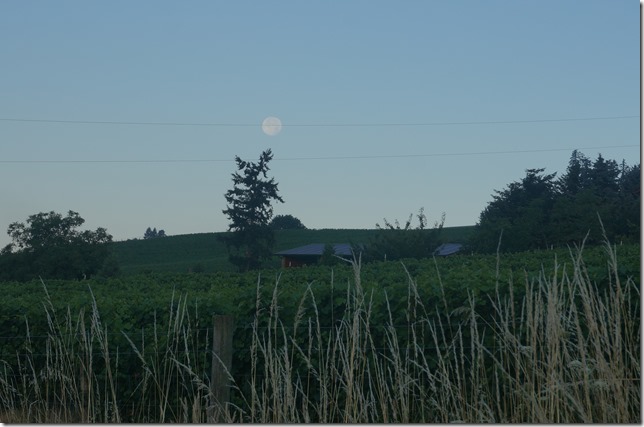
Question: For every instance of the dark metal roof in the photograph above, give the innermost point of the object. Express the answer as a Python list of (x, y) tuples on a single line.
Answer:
[(317, 249), (448, 249)]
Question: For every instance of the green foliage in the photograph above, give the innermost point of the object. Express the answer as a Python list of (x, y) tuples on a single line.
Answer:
[(627, 218), (249, 211), (286, 222), (393, 242), (144, 308), (51, 246), (540, 211), (328, 257), (520, 211)]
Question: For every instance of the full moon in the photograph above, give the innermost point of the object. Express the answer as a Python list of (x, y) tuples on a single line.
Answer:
[(271, 126)]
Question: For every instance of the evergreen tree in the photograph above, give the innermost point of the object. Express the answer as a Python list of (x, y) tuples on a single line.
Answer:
[(152, 233), (573, 197), (249, 210), (576, 215), (629, 202), (604, 178), (328, 256), (149, 233), (577, 175)]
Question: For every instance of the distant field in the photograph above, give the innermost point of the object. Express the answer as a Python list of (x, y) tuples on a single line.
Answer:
[(204, 252)]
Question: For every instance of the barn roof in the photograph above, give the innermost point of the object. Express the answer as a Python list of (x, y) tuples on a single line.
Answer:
[(448, 249), (317, 249)]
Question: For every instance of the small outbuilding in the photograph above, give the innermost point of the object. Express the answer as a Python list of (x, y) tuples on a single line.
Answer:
[(448, 249), (311, 254)]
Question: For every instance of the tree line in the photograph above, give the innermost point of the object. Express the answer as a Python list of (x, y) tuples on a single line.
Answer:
[(540, 211), (590, 199)]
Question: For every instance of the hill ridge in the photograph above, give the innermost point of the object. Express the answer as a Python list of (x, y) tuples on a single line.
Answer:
[(205, 252)]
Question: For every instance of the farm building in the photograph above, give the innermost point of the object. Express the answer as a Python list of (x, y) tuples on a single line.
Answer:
[(310, 254), (448, 249)]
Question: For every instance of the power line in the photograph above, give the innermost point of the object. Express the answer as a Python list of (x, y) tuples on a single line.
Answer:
[(497, 122), (360, 157), (472, 153)]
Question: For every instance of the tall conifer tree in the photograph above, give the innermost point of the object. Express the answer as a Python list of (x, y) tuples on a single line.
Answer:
[(250, 211)]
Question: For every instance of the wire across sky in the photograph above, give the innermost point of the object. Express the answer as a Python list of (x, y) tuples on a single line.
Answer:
[(358, 157), (362, 157), (463, 123)]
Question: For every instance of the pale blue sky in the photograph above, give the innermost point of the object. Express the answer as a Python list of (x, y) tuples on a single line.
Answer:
[(316, 65)]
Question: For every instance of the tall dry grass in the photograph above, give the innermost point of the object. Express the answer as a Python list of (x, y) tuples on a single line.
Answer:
[(74, 376), (564, 352)]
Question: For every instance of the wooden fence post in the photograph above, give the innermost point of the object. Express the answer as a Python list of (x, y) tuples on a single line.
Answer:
[(222, 357)]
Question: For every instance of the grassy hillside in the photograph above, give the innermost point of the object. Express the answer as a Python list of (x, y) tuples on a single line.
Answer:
[(204, 252)]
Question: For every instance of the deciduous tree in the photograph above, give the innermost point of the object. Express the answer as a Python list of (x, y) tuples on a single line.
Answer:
[(394, 241), (286, 222), (521, 210), (51, 245)]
